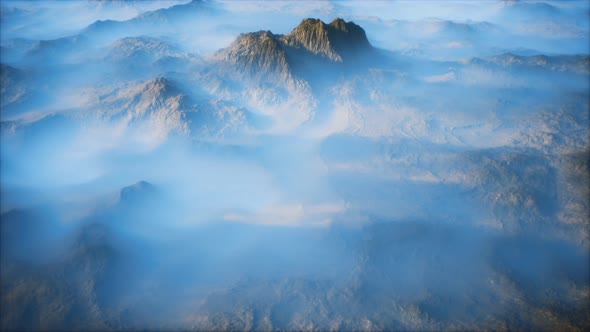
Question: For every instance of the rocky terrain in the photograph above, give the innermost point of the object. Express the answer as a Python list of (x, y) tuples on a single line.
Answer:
[(222, 165)]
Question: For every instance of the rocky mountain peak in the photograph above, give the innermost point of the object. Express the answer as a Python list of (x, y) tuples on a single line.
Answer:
[(258, 53), (335, 41), (264, 54), (339, 24)]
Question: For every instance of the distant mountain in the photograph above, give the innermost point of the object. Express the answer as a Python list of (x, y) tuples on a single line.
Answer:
[(579, 64), (173, 14), (571, 63), (528, 9), (164, 18), (445, 30), (102, 32), (142, 49), (58, 50)]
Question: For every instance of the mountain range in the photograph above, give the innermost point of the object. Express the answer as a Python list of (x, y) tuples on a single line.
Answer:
[(232, 166)]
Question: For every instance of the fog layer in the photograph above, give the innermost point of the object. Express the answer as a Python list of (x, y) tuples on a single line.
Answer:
[(321, 165)]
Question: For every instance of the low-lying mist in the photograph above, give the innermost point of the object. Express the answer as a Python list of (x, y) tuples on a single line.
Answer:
[(222, 165)]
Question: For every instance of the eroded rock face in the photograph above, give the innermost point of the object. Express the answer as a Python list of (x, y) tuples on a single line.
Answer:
[(336, 41), (259, 53), (263, 53)]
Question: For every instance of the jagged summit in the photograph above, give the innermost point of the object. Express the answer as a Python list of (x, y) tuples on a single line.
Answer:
[(340, 24), (258, 53), (336, 41), (263, 53)]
